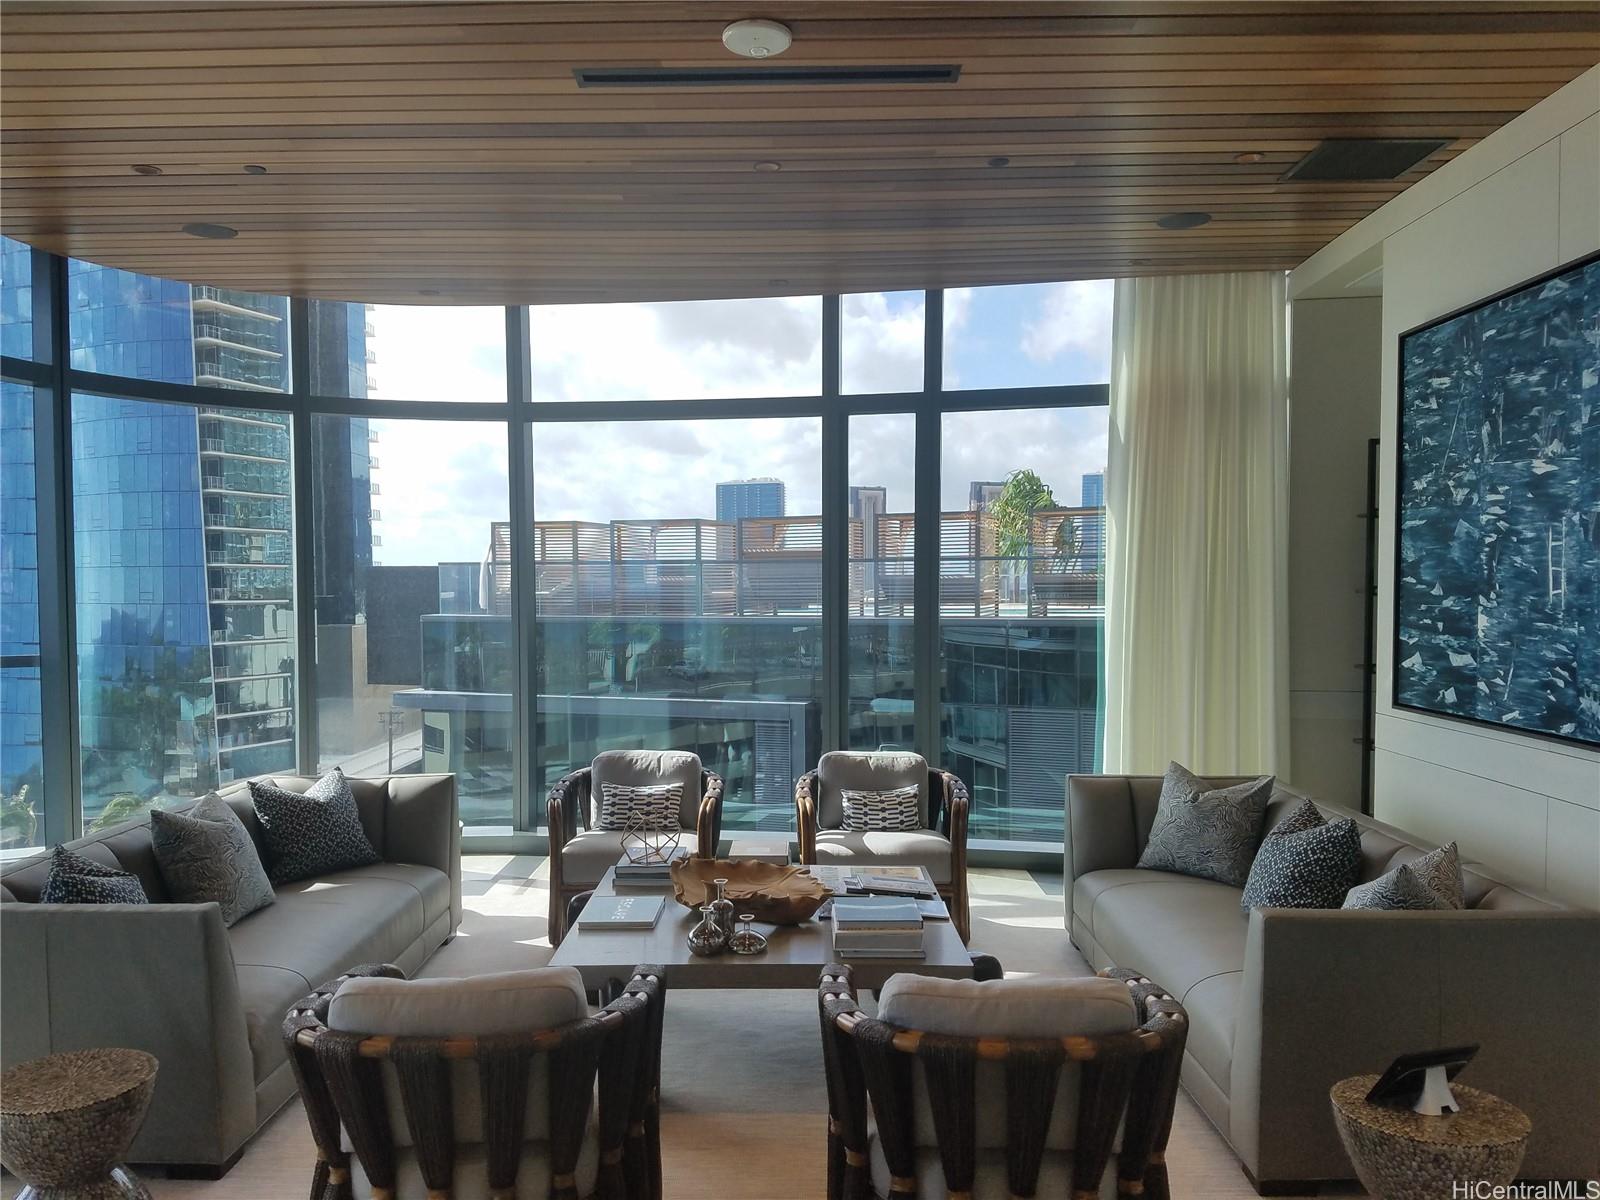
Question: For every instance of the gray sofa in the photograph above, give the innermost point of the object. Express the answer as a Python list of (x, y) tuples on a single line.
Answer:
[(1285, 1002), (209, 1001)]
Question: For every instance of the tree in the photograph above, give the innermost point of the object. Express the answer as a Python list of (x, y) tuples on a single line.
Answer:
[(1024, 494)]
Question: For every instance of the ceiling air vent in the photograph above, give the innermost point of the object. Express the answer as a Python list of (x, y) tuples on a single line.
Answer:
[(769, 74), (1350, 159)]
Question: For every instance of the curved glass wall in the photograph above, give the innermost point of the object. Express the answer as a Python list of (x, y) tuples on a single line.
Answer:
[(451, 580)]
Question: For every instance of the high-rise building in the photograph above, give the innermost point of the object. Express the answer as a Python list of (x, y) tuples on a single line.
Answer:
[(741, 499), (981, 493), (1092, 528), (868, 502), (1094, 490), (183, 535)]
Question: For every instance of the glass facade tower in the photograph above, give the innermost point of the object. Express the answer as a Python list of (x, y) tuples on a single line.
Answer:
[(183, 539)]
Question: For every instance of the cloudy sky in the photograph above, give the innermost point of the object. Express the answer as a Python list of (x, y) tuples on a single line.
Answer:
[(441, 483)]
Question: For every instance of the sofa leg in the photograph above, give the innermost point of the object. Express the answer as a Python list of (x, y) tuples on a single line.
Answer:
[(207, 1171), (1282, 1187)]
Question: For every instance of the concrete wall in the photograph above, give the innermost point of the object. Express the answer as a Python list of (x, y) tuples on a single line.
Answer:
[(1333, 412), (1522, 202)]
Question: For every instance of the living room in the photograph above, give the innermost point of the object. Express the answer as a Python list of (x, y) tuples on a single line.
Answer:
[(858, 600)]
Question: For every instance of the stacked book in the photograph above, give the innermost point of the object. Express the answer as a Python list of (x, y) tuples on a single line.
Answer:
[(876, 927), (655, 873)]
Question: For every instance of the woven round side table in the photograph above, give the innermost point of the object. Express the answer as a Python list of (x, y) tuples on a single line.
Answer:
[(66, 1121), (1402, 1155)]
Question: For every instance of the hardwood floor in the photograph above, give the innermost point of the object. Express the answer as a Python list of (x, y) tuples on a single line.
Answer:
[(742, 1087)]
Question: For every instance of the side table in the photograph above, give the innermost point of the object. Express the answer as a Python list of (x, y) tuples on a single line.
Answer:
[(1401, 1155), (66, 1121)]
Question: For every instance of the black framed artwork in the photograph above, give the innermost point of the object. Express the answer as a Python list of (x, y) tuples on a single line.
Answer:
[(1497, 537)]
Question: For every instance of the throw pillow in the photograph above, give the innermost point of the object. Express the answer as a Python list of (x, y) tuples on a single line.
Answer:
[(1210, 833), (74, 879), (206, 854), (895, 810), (314, 833), (656, 805), (1430, 883), (1304, 863)]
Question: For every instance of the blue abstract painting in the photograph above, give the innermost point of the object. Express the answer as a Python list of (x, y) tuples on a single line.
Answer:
[(1497, 585)]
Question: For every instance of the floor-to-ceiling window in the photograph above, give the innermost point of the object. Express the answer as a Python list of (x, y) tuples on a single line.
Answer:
[(493, 542)]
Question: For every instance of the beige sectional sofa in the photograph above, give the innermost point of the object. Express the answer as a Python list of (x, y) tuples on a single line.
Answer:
[(209, 1001), (1285, 1002)]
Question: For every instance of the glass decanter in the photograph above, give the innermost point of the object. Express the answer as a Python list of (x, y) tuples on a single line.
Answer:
[(747, 940), (707, 939), (723, 908)]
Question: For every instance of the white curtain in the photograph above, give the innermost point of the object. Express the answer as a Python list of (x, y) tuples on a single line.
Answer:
[(1197, 494)]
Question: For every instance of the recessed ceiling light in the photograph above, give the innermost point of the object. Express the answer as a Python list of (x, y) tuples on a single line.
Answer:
[(767, 164), (999, 160), (757, 39), (778, 282), (427, 291), (1183, 220), (255, 169), (1250, 156), (203, 229), (146, 169)]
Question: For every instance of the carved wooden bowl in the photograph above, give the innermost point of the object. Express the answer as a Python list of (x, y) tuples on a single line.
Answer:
[(774, 894)]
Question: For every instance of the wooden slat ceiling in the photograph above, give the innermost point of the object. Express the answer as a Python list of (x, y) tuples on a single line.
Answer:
[(414, 149)]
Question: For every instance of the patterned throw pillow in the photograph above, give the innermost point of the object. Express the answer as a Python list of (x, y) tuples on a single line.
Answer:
[(1304, 863), (1210, 833), (656, 803), (314, 833), (206, 854), (1430, 883), (896, 810), (74, 879)]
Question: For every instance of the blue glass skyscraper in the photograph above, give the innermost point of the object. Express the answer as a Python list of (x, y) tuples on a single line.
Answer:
[(742, 499), (183, 540)]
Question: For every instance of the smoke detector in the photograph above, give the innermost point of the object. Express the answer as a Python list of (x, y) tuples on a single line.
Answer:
[(757, 39)]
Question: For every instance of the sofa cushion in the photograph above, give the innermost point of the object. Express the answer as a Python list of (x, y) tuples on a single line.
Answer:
[(206, 854), (313, 832), (917, 848), (1211, 1005), (1205, 831), (653, 806), (266, 993), (76, 879), (890, 809), (867, 772), (26, 882), (431, 884), (645, 768), (481, 1005), (585, 857), (1176, 929), (320, 928), (1304, 862), (1032, 1007)]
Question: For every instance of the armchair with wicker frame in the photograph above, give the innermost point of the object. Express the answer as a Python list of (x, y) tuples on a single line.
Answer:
[(940, 845), (580, 852), (916, 1113), (351, 1082)]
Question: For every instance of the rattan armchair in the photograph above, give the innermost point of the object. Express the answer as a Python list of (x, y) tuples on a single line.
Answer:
[(350, 1083), (580, 853), (877, 1103), (940, 846)]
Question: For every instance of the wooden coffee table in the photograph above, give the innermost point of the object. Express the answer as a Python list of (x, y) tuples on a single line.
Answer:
[(794, 957)]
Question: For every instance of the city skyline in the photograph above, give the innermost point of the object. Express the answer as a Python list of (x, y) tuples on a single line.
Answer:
[(604, 471)]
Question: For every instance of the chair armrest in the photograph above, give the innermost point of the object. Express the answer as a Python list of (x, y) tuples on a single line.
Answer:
[(158, 978), (1326, 994), (566, 806), (805, 815), (953, 824), (708, 821), (1099, 833), (422, 825)]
